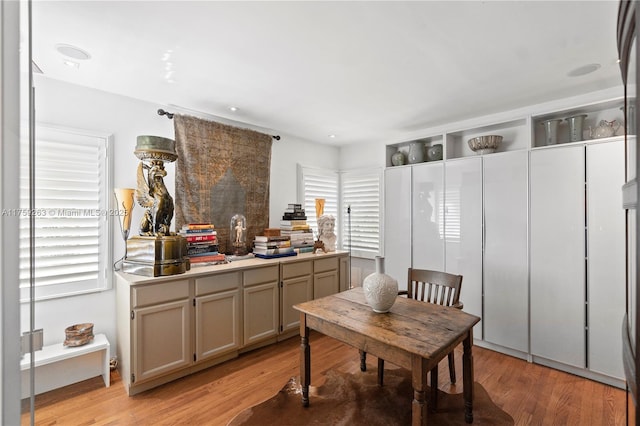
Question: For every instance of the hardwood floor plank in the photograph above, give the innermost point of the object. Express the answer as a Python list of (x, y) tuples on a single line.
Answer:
[(530, 393)]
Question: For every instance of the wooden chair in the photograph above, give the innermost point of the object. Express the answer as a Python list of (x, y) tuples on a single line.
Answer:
[(435, 287)]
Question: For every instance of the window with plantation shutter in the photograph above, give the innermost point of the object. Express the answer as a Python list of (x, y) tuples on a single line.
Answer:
[(318, 183), (360, 195), (71, 214)]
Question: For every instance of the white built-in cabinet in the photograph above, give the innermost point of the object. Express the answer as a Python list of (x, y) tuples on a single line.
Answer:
[(427, 216), (397, 223), (577, 255), (536, 231), (463, 231), (486, 242), (505, 271)]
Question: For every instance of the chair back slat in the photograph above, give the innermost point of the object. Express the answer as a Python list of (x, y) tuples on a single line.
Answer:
[(436, 287)]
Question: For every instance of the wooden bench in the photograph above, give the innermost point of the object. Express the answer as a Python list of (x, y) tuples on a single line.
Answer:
[(58, 365)]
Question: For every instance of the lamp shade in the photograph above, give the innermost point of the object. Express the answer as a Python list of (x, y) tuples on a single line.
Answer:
[(124, 202)]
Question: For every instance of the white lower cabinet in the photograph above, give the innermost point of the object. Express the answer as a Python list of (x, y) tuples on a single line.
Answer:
[(168, 327), (261, 303), (296, 287), (577, 256), (217, 315), (161, 330)]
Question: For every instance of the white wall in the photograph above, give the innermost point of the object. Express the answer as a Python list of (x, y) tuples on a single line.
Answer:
[(68, 105)]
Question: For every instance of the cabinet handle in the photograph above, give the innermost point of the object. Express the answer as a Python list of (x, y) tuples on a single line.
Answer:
[(132, 315)]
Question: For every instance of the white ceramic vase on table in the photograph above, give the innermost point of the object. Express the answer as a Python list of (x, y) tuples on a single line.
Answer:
[(380, 290)]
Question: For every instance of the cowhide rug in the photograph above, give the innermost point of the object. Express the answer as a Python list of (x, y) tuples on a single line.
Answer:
[(356, 399)]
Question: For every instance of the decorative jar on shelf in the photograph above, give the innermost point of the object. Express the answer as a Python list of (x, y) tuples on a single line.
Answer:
[(551, 131), (605, 129), (575, 127), (380, 290), (416, 152), (434, 153), (397, 159)]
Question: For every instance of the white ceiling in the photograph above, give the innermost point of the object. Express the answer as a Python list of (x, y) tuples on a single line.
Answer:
[(363, 71)]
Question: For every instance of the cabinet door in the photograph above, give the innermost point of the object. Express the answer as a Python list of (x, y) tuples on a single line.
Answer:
[(260, 312), (463, 231), (427, 217), (557, 182), (294, 290), (161, 339), (345, 273), (606, 256), (325, 284), (506, 273), (397, 223), (217, 324)]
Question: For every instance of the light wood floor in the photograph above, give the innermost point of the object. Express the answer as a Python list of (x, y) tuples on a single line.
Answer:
[(531, 394)]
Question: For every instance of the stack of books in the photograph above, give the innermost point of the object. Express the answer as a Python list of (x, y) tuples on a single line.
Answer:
[(294, 212), (202, 243), (268, 247), (294, 225)]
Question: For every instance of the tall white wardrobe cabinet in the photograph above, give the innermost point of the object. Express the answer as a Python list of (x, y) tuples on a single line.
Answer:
[(486, 207), (577, 255), (397, 223)]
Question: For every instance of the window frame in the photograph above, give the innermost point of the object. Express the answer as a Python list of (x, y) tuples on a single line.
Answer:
[(362, 173), (310, 210), (341, 212), (74, 136)]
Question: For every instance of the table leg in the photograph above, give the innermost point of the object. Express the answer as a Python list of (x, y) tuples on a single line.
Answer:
[(419, 382), (305, 360), (467, 377)]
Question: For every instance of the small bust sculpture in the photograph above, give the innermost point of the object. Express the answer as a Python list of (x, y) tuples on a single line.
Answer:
[(326, 225)]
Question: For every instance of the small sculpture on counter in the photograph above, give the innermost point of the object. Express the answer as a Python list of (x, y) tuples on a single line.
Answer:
[(237, 234), (153, 195), (326, 225)]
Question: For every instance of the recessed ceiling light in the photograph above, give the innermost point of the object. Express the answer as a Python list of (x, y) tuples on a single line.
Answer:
[(583, 70), (332, 136), (71, 64), (232, 108), (72, 51)]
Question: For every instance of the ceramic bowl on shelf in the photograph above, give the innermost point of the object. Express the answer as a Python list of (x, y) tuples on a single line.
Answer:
[(485, 144)]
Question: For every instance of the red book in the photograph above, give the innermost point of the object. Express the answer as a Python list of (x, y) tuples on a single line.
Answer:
[(197, 238), (211, 258)]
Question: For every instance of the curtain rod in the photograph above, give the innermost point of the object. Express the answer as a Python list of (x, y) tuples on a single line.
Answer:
[(170, 116)]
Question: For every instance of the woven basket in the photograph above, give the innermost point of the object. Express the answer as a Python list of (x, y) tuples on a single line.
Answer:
[(78, 334)]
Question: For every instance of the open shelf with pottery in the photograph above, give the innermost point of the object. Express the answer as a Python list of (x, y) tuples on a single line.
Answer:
[(515, 136), (594, 121), (415, 151)]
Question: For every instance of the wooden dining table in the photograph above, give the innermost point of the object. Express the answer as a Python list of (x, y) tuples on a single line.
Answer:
[(414, 335)]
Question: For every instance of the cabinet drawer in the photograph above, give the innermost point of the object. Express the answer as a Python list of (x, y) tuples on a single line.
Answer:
[(296, 269), (322, 265), (160, 293), (261, 275), (217, 282)]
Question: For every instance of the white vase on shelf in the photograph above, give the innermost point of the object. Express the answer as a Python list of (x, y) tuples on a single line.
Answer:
[(380, 290)]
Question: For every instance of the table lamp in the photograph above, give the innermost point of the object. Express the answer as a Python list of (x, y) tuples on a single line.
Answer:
[(124, 205)]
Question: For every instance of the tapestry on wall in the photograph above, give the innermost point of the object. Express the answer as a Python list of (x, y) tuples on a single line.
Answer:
[(221, 171)]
